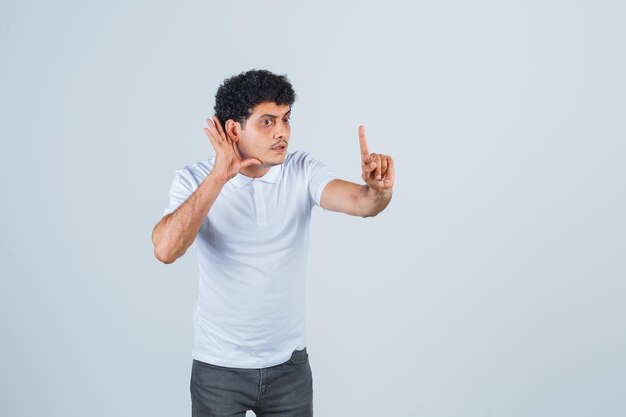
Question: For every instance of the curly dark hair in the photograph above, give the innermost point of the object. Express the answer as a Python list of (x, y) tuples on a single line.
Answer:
[(237, 97)]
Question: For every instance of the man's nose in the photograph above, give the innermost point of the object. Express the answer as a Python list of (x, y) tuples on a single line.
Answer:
[(280, 132)]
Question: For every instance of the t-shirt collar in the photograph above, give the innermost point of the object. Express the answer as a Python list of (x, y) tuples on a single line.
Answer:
[(271, 176)]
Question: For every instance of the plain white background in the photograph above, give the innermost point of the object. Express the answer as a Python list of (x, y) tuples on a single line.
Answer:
[(493, 285)]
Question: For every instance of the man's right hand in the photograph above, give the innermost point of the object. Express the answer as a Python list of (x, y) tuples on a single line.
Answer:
[(228, 161)]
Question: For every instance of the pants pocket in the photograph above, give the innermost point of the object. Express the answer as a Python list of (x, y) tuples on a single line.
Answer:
[(299, 357)]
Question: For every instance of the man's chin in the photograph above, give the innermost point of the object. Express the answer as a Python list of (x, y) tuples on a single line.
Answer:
[(276, 160)]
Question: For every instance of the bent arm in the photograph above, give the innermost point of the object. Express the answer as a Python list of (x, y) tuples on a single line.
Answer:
[(354, 199), (176, 231), (377, 170)]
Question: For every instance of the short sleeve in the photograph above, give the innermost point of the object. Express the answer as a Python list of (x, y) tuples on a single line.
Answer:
[(319, 175), (182, 187)]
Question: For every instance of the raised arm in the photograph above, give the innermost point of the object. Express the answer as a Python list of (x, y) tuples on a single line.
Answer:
[(175, 232), (366, 200)]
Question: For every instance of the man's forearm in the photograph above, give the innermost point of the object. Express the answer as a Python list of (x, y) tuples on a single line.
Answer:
[(173, 235), (371, 202)]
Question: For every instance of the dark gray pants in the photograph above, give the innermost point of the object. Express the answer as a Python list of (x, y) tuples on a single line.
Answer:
[(284, 390)]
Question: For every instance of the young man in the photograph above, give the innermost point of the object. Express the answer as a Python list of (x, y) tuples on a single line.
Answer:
[(250, 208)]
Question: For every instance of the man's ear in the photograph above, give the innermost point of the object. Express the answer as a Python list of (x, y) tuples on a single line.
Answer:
[(232, 129)]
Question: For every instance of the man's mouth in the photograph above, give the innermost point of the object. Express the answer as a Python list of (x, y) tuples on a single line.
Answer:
[(279, 148)]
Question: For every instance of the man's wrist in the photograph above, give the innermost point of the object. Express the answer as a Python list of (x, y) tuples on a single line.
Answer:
[(377, 193), (218, 180)]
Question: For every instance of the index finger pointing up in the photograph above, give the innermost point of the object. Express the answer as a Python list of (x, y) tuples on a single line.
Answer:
[(365, 153)]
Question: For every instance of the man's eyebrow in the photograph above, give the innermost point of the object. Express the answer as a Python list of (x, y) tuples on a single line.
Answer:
[(274, 116)]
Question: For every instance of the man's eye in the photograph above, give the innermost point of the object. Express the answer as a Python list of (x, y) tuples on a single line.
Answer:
[(287, 120), (266, 120)]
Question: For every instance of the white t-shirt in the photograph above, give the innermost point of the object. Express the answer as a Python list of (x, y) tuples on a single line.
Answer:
[(252, 254)]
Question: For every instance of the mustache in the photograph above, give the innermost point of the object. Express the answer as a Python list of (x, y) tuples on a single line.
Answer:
[(282, 142)]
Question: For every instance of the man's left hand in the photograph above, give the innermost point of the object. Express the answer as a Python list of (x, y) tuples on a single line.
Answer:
[(377, 169)]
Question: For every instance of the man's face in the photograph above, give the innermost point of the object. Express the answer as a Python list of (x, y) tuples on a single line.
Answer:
[(266, 135)]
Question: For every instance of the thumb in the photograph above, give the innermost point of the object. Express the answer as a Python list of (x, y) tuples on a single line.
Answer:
[(249, 162)]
